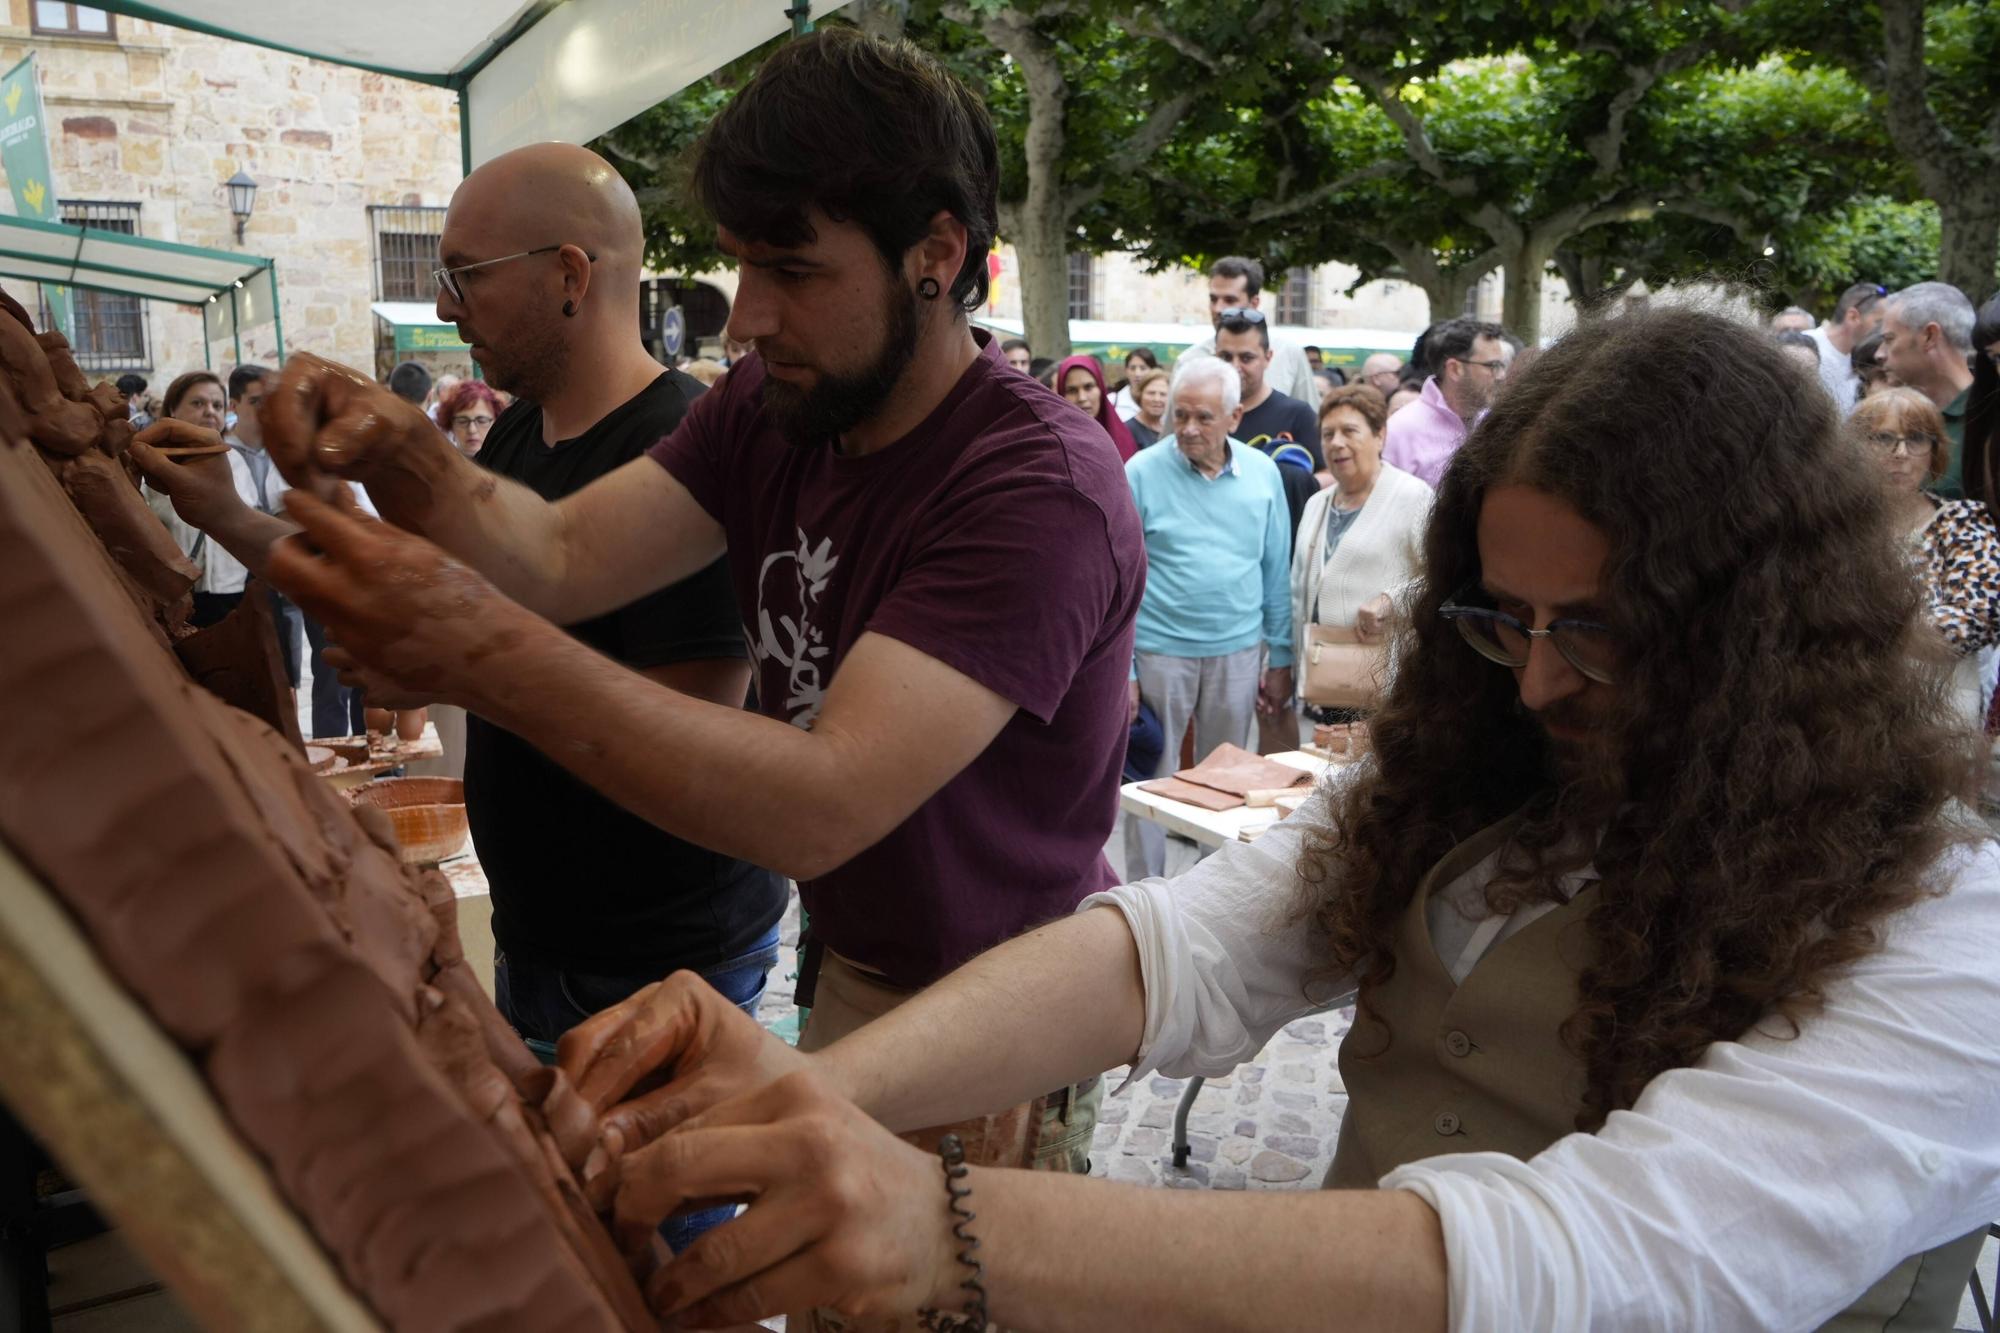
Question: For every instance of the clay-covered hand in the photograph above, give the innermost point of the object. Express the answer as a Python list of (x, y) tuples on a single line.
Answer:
[(842, 1214), (1371, 619), (422, 623), (670, 1052), (325, 421), (202, 489)]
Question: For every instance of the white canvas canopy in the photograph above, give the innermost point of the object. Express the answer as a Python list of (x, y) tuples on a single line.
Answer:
[(524, 70)]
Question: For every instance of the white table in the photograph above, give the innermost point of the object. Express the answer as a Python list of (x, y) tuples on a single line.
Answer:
[(1214, 828)]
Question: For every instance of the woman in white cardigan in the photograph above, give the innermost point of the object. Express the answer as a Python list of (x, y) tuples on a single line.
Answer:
[(1360, 538)]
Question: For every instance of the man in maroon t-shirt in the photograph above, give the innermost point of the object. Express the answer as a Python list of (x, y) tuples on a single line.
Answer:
[(938, 561)]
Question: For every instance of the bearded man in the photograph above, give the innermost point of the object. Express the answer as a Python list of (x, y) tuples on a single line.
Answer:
[(1670, 942), (937, 564)]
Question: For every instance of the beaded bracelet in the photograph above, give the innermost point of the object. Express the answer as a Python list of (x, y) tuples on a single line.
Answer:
[(951, 1153)]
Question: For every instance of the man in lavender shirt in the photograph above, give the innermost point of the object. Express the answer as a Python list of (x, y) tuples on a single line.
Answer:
[(1468, 359)]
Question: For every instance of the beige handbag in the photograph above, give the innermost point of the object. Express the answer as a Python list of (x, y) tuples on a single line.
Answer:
[(1341, 670)]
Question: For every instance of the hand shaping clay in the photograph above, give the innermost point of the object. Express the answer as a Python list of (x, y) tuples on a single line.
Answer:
[(316, 982)]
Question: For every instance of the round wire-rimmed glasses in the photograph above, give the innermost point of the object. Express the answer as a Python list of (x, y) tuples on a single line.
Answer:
[(1498, 637)]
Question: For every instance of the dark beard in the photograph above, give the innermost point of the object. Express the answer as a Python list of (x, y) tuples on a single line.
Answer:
[(533, 369), (839, 403)]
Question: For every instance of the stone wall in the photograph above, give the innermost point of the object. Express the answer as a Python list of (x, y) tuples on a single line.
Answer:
[(163, 117)]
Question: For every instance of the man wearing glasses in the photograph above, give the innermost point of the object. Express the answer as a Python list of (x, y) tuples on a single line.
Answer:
[(1468, 359), (1670, 943)]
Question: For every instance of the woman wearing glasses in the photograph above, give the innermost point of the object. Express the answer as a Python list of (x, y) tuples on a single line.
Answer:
[(467, 413), (1955, 543)]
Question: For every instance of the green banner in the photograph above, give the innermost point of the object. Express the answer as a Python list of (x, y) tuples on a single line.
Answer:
[(24, 153), (429, 338)]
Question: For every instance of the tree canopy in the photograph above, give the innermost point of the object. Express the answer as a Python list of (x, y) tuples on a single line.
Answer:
[(1612, 141)]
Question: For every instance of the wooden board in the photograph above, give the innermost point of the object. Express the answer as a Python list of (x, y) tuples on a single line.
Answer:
[(127, 1115)]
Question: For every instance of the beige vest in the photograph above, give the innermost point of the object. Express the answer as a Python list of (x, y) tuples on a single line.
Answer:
[(1481, 1067)]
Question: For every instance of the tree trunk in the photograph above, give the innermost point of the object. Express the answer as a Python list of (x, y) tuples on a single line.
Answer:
[(884, 19), (1969, 241), (1521, 288), (1041, 244), (1040, 231)]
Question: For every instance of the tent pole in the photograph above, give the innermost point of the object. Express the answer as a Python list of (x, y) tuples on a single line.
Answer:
[(464, 135), (801, 14), (235, 333), (277, 314)]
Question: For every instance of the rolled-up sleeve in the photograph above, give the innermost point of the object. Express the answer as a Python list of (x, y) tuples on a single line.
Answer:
[(1770, 1183), (1228, 950)]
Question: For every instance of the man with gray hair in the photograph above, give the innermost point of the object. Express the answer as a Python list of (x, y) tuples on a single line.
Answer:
[(1927, 344), (1215, 625), (1792, 319)]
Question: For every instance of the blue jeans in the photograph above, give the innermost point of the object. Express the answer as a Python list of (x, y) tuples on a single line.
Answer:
[(544, 1002)]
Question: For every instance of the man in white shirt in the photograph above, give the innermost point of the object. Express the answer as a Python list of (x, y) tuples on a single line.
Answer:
[(1237, 283), (1856, 315), (1670, 940)]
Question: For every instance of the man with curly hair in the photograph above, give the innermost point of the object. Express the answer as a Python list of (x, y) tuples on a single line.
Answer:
[(1671, 943)]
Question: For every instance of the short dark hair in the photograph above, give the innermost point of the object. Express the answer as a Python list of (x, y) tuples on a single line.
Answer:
[(1236, 321), (1363, 398), (1012, 343), (1145, 354), (870, 132), (1041, 366), (241, 378), (1240, 266), (410, 382), (129, 384), (1453, 339), (1862, 296)]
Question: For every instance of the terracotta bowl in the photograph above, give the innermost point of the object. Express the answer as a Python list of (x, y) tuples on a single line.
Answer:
[(428, 815)]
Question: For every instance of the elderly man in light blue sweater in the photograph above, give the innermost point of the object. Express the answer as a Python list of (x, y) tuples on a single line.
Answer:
[(1215, 628)]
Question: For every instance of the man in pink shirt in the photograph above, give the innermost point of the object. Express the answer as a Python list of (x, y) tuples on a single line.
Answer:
[(1468, 359)]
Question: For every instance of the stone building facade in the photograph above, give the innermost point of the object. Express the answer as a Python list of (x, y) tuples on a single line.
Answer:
[(147, 121)]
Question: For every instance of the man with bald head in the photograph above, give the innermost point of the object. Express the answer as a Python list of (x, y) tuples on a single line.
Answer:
[(541, 251), (1383, 371)]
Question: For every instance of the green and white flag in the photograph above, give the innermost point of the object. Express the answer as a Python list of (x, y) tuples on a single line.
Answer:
[(24, 152)]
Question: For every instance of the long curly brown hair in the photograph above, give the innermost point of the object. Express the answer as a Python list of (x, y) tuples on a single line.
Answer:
[(1772, 778)]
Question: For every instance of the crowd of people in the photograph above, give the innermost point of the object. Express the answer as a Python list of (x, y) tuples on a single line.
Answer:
[(1667, 928)]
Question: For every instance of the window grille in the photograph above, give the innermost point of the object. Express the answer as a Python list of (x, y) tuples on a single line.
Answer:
[(406, 250)]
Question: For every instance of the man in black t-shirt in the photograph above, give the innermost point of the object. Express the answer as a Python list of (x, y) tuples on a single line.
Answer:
[(1269, 417)]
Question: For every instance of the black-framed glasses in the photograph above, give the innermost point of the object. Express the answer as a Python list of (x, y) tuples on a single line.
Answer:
[(447, 278), (1916, 446), (1498, 637), (1497, 366)]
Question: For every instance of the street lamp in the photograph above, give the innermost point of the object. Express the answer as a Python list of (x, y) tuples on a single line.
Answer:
[(242, 199)]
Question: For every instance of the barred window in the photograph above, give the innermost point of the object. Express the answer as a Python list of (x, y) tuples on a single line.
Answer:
[(1083, 293), (108, 330), (1295, 297), (406, 250)]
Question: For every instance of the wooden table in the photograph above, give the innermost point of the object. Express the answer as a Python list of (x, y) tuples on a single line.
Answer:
[(1214, 828), (391, 752)]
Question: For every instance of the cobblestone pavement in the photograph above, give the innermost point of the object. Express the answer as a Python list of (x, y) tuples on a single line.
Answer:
[(1269, 1125)]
